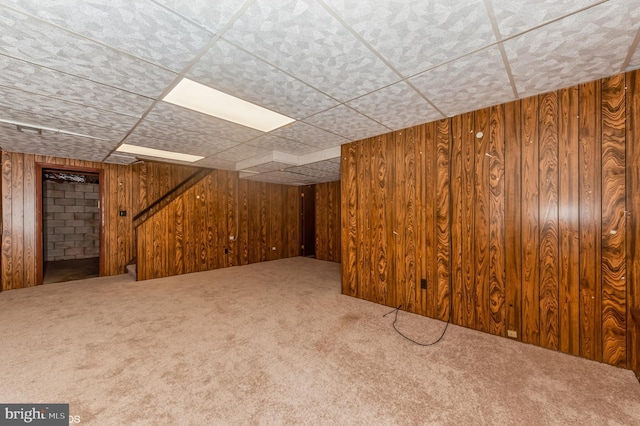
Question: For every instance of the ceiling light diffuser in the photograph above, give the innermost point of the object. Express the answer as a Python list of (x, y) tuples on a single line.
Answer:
[(198, 97), (151, 152)]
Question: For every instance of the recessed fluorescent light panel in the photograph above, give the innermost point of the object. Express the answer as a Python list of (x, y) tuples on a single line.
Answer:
[(204, 99), (150, 152)]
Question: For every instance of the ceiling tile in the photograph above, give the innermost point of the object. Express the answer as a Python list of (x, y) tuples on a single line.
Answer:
[(302, 38), (241, 152), (41, 107), (216, 163), (156, 135), (26, 38), (309, 135), (36, 79), (584, 47), (268, 167), (103, 132), (212, 15), (324, 169), (140, 27), (274, 143), (65, 146), (634, 63), (233, 71), (172, 115), (347, 122), (473, 82), (397, 106), (515, 17), (414, 35), (121, 158)]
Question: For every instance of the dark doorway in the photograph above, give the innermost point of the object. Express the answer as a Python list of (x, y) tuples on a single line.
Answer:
[(308, 220), (70, 225)]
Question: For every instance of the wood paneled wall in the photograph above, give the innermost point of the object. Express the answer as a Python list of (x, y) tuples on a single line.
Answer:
[(193, 232), (328, 221), (520, 217), (124, 188)]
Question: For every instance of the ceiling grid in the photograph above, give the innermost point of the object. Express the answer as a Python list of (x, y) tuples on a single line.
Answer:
[(343, 71)]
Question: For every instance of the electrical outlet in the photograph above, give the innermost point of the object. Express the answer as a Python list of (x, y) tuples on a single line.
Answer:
[(423, 283), (512, 333), (273, 248)]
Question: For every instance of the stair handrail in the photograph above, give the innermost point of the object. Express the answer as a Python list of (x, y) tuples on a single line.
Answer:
[(178, 190)]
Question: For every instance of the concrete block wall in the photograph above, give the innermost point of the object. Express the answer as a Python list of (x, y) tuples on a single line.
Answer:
[(71, 220)]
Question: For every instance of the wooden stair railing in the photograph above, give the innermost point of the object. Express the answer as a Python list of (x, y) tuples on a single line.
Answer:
[(167, 198)]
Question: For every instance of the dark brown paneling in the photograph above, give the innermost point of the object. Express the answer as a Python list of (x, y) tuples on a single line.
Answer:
[(349, 203), (590, 221), (632, 156), (548, 174), (206, 233), (327, 223), (8, 234), (481, 219), (467, 221), (30, 225), (568, 199), (430, 186), (443, 225), (496, 222), (513, 218), (525, 208), (530, 229), (363, 240), (614, 344)]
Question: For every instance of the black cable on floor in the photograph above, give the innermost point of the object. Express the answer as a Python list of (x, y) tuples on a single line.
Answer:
[(410, 339)]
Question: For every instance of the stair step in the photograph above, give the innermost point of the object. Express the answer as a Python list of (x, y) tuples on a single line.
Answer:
[(131, 269)]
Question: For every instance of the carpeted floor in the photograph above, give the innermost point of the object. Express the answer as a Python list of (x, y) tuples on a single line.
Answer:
[(276, 343)]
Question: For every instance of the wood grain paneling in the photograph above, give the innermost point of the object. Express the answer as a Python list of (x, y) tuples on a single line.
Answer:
[(614, 344), (548, 175), (204, 219), (167, 244), (468, 213), (481, 219), (568, 202), (328, 221), (590, 221), (526, 208), (19, 247), (496, 222), (513, 217), (530, 222), (632, 157)]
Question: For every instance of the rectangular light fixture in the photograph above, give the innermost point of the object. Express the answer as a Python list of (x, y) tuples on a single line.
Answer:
[(198, 97), (151, 152)]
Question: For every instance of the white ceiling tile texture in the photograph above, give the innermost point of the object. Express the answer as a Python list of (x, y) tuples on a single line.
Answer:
[(396, 106), (141, 27), (236, 72), (26, 38), (345, 70), (347, 123), (415, 34), (302, 38)]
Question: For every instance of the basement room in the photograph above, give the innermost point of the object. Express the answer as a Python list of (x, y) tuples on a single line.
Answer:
[(320, 212)]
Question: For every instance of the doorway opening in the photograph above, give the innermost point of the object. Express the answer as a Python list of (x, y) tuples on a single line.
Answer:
[(69, 218)]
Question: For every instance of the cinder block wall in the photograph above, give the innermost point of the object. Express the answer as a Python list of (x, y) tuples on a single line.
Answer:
[(71, 220)]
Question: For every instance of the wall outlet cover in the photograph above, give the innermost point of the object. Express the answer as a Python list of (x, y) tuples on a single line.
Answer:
[(512, 333)]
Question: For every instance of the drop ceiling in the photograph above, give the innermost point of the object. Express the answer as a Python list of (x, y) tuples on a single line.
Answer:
[(344, 70)]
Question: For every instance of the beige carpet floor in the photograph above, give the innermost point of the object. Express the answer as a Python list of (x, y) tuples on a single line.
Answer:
[(276, 343)]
